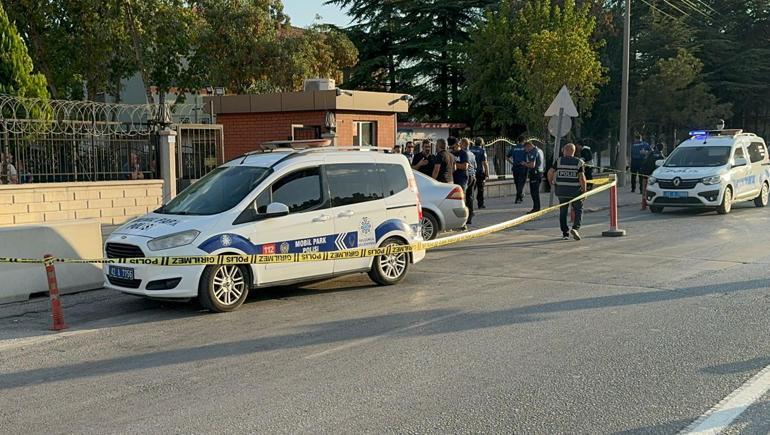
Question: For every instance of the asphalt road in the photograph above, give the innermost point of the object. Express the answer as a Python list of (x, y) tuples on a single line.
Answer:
[(517, 332)]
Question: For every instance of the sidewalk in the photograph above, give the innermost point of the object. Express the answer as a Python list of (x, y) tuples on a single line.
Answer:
[(501, 209)]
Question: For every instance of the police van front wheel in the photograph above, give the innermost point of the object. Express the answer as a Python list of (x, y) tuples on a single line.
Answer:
[(390, 269), (656, 209), (727, 202), (223, 288), (762, 199)]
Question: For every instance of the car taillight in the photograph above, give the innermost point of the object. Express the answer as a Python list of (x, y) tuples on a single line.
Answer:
[(419, 208), (456, 193)]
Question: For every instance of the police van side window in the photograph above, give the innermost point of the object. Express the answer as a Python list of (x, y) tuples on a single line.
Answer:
[(353, 183), (757, 152), (393, 179), (300, 191), (738, 155)]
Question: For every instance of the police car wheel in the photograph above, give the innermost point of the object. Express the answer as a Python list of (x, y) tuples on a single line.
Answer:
[(764, 195), (223, 288), (390, 269), (430, 226), (656, 209), (727, 202)]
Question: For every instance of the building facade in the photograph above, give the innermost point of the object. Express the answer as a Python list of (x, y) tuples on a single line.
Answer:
[(349, 118)]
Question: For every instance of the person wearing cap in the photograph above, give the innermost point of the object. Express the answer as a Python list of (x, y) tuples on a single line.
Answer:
[(517, 157), (535, 164), (482, 169), (568, 177)]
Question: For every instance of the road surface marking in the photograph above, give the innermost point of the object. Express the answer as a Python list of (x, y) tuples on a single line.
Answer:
[(719, 417), (384, 334)]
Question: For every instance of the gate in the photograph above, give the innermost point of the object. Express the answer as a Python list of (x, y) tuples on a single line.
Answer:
[(200, 148)]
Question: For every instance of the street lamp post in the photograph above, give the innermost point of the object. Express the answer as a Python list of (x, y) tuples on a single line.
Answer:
[(622, 161)]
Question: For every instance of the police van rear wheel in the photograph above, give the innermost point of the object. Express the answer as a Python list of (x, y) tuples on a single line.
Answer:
[(223, 288), (390, 269), (727, 202), (762, 199)]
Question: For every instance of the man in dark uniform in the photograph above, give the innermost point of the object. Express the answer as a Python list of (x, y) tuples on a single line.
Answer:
[(568, 175), (535, 164), (443, 164), (517, 156), (482, 169)]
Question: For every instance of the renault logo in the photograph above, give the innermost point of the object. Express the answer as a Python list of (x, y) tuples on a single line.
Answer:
[(677, 181)]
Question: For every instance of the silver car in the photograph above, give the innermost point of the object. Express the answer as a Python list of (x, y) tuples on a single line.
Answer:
[(443, 206)]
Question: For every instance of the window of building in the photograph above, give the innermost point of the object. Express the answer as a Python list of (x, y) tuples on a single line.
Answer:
[(354, 183), (305, 132), (365, 133)]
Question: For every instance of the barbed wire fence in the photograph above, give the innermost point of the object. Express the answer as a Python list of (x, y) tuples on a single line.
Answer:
[(63, 141)]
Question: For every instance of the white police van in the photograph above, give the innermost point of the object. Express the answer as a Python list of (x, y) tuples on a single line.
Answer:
[(712, 169), (287, 200)]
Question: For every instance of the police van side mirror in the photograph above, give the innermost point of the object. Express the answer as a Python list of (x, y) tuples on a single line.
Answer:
[(740, 161), (277, 209), (659, 163)]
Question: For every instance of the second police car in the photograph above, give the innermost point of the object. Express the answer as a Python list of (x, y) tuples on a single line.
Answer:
[(712, 169), (286, 201)]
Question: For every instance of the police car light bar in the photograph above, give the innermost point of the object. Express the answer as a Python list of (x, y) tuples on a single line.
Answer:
[(707, 133)]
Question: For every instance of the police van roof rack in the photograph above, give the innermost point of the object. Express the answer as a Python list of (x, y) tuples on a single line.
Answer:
[(346, 148), (710, 133)]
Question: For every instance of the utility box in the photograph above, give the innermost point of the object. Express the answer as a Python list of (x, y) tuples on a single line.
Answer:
[(311, 85)]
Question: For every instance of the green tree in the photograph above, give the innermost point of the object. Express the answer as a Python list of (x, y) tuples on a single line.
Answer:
[(17, 76), (378, 35), (674, 96), (549, 46)]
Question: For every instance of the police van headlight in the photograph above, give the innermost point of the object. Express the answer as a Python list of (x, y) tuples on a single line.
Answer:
[(652, 181), (710, 181), (173, 240)]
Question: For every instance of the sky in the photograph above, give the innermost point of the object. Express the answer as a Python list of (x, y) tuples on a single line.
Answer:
[(302, 13)]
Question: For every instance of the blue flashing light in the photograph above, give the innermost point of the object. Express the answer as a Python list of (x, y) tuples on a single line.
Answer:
[(699, 133)]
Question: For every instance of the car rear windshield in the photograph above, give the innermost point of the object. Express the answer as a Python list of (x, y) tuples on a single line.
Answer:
[(220, 190), (698, 157)]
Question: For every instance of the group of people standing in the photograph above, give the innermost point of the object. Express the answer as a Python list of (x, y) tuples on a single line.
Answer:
[(453, 161), (643, 164)]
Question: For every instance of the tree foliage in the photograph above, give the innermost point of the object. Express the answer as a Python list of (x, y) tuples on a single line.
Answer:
[(17, 76), (523, 53), (181, 45)]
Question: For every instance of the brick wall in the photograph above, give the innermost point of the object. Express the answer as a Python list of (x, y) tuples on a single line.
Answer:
[(244, 131), (112, 202), (386, 127)]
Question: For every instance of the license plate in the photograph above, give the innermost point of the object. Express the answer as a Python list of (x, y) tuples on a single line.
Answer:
[(675, 194), (121, 272)]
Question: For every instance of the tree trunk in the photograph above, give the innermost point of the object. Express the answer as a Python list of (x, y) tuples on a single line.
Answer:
[(138, 51)]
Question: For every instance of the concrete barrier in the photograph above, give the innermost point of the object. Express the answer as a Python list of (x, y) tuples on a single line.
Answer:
[(73, 239)]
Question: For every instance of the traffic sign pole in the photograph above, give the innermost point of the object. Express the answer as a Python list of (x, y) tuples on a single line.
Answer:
[(556, 147)]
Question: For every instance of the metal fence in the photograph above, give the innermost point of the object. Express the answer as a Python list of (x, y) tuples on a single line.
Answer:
[(45, 141), (200, 148)]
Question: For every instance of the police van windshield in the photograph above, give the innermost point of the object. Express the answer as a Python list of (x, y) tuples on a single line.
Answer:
[(220, 190), (698, 157)]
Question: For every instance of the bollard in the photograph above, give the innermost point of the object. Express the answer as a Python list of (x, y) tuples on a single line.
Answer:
[(614, 230), (53, 292)]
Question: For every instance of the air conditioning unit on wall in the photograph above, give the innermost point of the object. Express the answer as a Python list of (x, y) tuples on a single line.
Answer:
[(319, 85)]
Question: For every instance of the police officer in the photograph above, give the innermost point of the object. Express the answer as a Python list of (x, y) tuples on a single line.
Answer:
[(639, 151), (482, 169), (568, 175), (517, 156), (535, 164)]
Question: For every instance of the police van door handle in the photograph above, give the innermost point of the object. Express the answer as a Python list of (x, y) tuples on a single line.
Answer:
[(322, 218), (346, 214)]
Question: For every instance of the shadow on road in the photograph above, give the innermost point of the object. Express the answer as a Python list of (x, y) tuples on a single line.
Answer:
[(754, 364), (363, 328)]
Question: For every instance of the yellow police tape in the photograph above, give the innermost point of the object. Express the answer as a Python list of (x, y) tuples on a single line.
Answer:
[(601, 184)]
